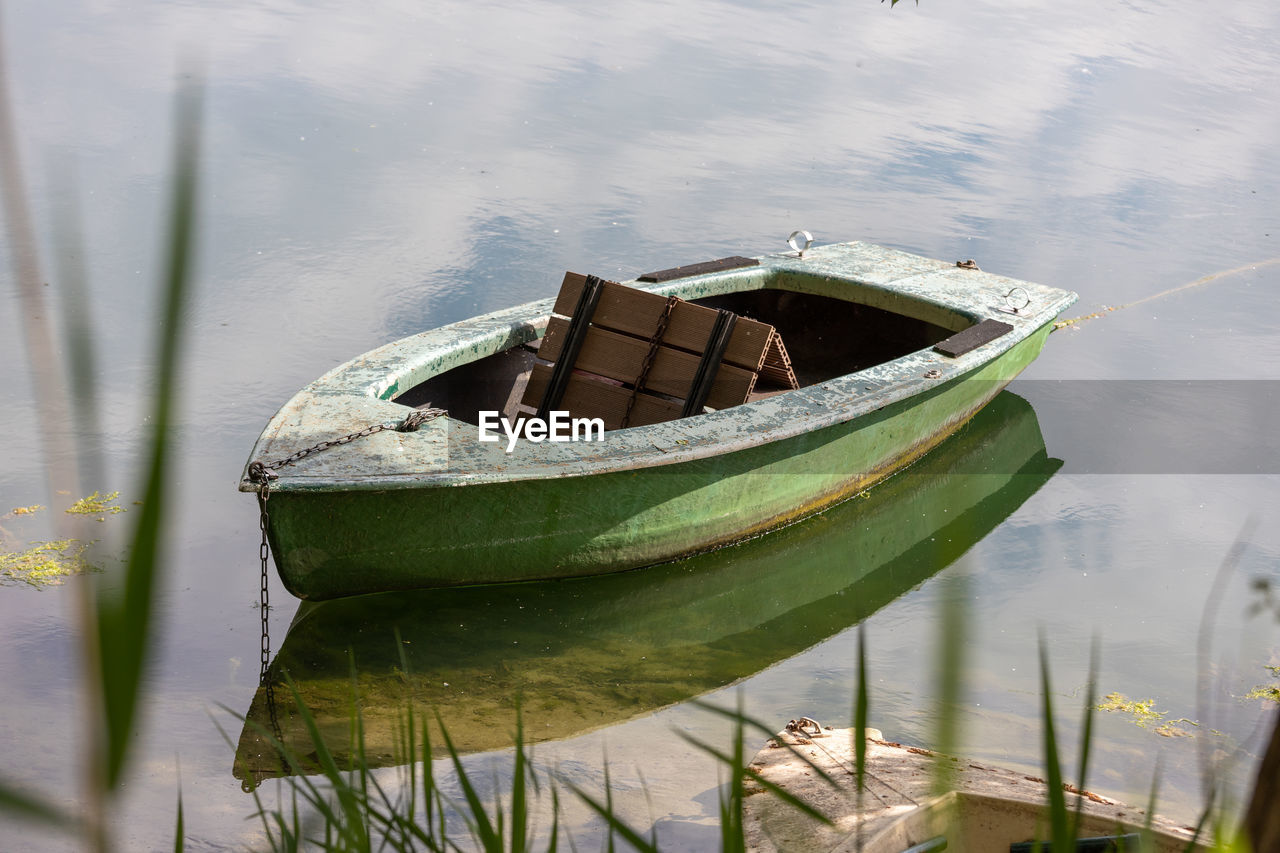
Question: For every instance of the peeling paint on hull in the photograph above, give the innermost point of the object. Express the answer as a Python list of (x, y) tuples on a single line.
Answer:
[(438, 508)]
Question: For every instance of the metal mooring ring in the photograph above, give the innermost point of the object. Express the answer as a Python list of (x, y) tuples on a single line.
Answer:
[(1009, 300), (794, 241), (805, 726)]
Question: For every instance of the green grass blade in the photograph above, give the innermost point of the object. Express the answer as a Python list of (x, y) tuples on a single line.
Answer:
[(949, 653), (615, 823), (350, 820), (732, 833), (435, 814), (481, 825), (789, 798), (728, 760), (1200, 827), (261, 813), (1148, 823), (43, 356), (178, 832), (125, 620), (1059, 826), (405, 750), (33, 809), (1086, 735), (860, 710), (350, 800), (553, 843), (608, 803), (77, 330), (768, 734), (299, 782), (519, 803)]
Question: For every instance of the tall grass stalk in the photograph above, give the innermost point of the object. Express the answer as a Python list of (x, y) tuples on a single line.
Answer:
[(53, 409), (861, 708), (1212, 762), (53, 416), (115, 624), (78, 332), (1086, 733), (1060, 827), (950, 644), (179, 833), (124, 616)]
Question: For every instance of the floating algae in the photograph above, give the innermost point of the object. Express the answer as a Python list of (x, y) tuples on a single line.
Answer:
[(96, 504), (48, 563), (44, 563), (1145, 715), (1267, 692)]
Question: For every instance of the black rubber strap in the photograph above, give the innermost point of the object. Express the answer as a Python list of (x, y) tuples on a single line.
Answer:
[(578, 325), (721, 265), (654, 344), (973, 337), (717, 342)]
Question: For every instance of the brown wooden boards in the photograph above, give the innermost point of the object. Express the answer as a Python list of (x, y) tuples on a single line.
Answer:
[(621, 357), (636, 312), (629, 343), (588, 396)]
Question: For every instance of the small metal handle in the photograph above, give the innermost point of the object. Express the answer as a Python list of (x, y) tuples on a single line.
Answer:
[(794, 241), (1009, 300)]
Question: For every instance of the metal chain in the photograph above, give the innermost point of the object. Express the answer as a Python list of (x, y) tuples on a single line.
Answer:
[(260, 471), (654, 343), (264, 600), (264, 609), (263, 473)]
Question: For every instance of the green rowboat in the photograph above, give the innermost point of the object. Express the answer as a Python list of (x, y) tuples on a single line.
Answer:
[(387, 510)]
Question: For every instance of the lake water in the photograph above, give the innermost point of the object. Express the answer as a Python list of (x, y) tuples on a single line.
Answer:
[(372, 170)]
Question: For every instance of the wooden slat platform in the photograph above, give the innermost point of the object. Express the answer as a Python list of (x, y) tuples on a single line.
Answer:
[(619, 341), (636, 312), (587, 396), (621, 357)]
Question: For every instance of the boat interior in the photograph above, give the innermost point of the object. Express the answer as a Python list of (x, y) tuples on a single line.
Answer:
[(825, 337)]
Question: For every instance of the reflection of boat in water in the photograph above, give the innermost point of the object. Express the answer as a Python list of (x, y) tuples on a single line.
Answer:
[(584, 653)]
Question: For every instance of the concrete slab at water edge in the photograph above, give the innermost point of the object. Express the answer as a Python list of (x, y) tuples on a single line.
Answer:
[(988, 807)]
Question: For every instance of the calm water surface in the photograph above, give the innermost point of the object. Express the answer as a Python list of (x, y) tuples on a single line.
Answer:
[(370, 171)]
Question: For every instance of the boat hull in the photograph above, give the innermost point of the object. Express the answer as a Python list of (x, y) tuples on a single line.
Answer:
[(873, 332), (336, 543)]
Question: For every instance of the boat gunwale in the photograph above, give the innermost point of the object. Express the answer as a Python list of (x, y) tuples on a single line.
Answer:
[(914, 286)]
